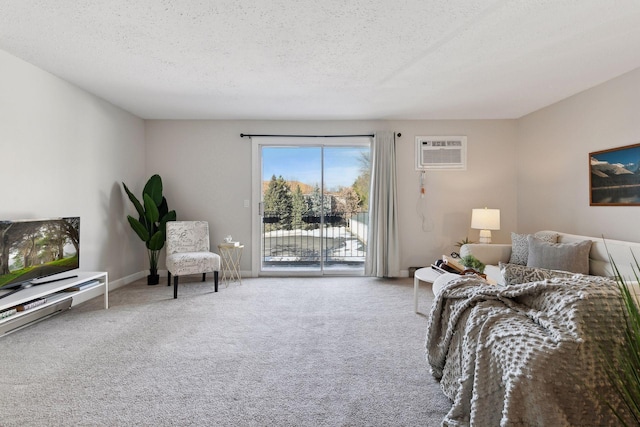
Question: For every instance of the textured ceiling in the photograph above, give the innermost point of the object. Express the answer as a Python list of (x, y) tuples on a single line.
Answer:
[(327, 59)]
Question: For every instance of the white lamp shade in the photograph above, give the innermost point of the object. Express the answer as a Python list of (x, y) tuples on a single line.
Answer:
[(485, 219)]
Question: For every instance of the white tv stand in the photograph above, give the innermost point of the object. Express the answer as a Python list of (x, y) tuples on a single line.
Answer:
[(57, 298)]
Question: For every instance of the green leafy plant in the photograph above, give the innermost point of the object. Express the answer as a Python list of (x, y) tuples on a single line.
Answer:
[(463, 242), (624, 372), (470, 261), (151, 224)]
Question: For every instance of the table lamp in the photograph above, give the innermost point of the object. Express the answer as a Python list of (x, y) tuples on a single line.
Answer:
[(485, 220)]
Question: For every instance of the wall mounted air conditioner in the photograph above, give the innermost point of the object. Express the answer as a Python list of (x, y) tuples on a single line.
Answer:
[(441, 152)]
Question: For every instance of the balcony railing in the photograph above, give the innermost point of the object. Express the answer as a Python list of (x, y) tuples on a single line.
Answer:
[(336, 240)]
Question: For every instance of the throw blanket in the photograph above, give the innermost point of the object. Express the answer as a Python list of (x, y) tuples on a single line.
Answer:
[(530, 354)]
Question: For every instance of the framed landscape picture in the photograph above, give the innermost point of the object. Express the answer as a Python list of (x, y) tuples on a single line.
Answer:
[(614, 178)]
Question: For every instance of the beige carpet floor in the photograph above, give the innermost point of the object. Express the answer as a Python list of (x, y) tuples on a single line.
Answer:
[(269, 352)]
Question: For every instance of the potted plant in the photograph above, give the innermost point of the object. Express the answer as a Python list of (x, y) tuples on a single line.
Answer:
[(472, 262), (463, 242), (624, 373), (151, 224)]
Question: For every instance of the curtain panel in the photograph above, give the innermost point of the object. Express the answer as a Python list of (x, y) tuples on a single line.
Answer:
[(383, 248)]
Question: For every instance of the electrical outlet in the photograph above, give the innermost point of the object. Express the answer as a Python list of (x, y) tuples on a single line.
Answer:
[(246, 203)]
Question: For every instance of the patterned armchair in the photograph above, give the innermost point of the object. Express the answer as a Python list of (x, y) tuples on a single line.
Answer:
[(188, 252)]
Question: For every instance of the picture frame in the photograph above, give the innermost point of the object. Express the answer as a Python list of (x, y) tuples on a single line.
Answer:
[(614, 176)]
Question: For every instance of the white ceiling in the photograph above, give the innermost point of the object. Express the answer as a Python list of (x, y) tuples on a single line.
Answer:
[(327, 59)]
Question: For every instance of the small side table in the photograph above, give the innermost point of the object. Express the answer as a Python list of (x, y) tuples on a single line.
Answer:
[(230, 255), (426, 274)]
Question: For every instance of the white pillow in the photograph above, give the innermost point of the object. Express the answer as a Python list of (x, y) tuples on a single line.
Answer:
[(514, 274), (573, 257), (520, 245)]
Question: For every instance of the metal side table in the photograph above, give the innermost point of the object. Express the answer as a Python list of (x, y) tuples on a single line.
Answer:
[(230, 255)]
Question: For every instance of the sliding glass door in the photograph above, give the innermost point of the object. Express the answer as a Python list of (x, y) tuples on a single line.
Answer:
[(312, 198)]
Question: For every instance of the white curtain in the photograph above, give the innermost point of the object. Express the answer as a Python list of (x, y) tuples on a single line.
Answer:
[(383, 248)]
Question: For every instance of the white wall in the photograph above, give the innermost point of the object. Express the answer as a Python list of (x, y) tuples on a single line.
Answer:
[(553, 160), (64, 153), (206, 171)]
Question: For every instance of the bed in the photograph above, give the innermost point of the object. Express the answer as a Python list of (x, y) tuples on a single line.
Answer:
[(526, 354)]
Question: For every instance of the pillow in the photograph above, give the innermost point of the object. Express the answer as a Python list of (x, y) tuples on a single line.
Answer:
[(514, 274), (573, 257), (520, 245)]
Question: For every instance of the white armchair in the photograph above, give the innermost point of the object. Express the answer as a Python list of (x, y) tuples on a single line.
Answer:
[(188, 252)]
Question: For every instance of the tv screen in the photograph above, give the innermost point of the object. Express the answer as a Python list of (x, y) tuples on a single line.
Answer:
[(33, 249)]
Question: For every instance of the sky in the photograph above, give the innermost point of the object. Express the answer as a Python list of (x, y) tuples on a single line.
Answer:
[(342, 164), (624, 157)]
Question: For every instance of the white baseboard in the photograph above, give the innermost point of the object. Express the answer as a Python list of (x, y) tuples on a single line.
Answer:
[(115, 284), (163, 273)]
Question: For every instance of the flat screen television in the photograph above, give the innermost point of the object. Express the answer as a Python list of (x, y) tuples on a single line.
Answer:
[(33, 250)]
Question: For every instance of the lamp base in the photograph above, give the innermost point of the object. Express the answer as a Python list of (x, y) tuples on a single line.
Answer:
[(485, 236)]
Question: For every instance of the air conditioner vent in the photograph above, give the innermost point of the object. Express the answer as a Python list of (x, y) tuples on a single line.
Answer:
[(441, 152)]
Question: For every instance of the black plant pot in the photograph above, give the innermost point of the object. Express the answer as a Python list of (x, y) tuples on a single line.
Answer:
[(153, 279)]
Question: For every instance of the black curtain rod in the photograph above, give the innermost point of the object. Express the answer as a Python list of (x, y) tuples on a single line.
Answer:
[(242, 135)]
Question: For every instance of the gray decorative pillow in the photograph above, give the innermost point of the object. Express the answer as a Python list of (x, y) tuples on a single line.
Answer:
[(573, 257), (514, 274), (520, 245)]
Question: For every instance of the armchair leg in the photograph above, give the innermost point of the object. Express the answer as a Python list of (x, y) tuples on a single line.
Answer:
[(168, 278), (175, 282)]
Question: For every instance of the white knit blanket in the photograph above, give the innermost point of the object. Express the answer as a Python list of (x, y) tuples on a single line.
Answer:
[(529, 354)]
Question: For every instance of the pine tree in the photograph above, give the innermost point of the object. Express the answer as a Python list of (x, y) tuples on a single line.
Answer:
[(278, 204), (299, 209), (316, 201)]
